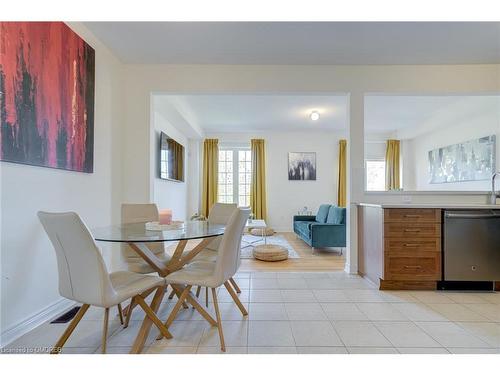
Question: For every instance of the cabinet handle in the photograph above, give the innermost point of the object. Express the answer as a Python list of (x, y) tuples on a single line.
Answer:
[(412, 216), (413, 267), (412, 245), (412, 230)]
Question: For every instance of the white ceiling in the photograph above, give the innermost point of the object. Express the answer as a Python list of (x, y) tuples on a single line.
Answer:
[(301, 42), (412, 115), (247, 113), (409, 115)]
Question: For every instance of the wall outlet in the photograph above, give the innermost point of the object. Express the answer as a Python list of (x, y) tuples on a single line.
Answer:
[(406, 198)]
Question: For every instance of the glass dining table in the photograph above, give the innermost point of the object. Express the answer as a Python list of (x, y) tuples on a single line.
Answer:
[(138, 237)]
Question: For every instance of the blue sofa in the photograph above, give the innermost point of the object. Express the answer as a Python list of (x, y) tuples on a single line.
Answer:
[(326, 229)]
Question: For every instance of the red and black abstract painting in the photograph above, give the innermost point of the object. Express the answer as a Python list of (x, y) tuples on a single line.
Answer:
[(47, 75)]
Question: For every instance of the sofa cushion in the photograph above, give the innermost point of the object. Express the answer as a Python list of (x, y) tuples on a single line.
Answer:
[(303, 227), (322, 213), (336, 215)]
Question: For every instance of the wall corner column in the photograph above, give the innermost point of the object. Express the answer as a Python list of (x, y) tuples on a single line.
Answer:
[(355, 177)]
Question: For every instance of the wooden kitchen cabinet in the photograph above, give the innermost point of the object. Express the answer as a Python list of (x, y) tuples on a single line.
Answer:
[(400, 248)]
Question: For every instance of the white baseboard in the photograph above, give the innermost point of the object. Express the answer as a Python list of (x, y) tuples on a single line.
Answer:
[(347, 267), (16, 331)]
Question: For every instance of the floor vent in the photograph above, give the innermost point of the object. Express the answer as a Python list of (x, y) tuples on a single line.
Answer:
[(67, 316)]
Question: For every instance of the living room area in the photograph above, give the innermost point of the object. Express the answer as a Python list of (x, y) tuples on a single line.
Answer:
[(278, 154)]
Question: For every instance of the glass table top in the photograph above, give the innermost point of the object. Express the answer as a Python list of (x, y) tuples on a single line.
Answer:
[(138, 232)]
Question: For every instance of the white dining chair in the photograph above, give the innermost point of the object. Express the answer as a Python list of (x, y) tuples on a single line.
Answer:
[(134, 213), (214, 274), (84, 278), (219, 214)]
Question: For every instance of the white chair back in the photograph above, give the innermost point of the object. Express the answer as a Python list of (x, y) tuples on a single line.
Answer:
[(220, 213), (83, 275), (140, 213), (228, 257)]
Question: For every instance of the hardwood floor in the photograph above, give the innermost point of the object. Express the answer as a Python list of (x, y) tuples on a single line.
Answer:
[(321, 260)]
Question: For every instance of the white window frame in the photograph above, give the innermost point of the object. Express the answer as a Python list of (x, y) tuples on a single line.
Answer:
[(236, 173)]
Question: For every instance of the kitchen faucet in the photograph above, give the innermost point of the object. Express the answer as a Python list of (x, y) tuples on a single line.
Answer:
[(494, 195)]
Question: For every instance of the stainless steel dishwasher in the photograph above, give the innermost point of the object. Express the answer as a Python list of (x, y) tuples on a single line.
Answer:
[(471, 245)]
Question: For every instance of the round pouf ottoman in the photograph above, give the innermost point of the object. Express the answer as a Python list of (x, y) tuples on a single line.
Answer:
[(258, 232), (270, 253)]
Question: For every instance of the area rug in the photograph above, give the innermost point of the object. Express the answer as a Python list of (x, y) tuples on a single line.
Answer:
[(246, 250)]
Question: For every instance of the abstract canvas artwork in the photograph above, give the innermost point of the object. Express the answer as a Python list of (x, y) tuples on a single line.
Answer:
[(302, 166), (468, 161), (46, 96)]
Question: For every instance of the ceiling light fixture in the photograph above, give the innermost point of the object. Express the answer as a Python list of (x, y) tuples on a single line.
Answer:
[(314, 115)]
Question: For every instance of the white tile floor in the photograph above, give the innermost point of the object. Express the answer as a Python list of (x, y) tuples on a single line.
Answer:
[(291, 313)]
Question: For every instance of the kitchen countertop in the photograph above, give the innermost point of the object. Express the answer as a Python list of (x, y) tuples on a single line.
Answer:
[(463, 206)]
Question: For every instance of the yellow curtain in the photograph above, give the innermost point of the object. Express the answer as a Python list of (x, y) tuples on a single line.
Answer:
[(342, 180), (392, 157), (210, 175), (258, 188)]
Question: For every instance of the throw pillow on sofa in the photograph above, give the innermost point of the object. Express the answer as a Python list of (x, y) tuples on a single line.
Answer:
[(336, 215), (322, 214)]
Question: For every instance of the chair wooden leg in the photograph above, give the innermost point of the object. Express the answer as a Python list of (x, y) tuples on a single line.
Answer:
[(219, 321), (150, 313), (171, 295), (177, 306), (235, 298), (235, 286), (182, 296), (67, 333), (198, 290), (120, 313), (175, 292), (105, 330), (193, 301), (129, 313)]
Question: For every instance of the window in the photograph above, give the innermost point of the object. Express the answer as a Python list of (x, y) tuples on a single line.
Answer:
[(225, 189), (375, 175), (244, 177), (235, 173)]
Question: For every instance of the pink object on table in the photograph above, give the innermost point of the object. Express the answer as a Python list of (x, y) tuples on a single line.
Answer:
[(165, 217)]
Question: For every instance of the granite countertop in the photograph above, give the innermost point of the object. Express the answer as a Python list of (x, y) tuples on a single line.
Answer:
[(464, 206)]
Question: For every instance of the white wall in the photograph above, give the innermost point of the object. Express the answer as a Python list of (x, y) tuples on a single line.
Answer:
[(29, 271), (284, 197)]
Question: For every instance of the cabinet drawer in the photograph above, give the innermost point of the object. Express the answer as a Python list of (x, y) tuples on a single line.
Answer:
[(412, 244), (412, 230), (421, 266), (414, 215)]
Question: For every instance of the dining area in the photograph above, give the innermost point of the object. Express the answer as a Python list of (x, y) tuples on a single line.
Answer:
[(206, 257)]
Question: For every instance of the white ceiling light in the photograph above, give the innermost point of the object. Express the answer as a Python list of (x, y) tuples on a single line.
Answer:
[(314, 115)]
